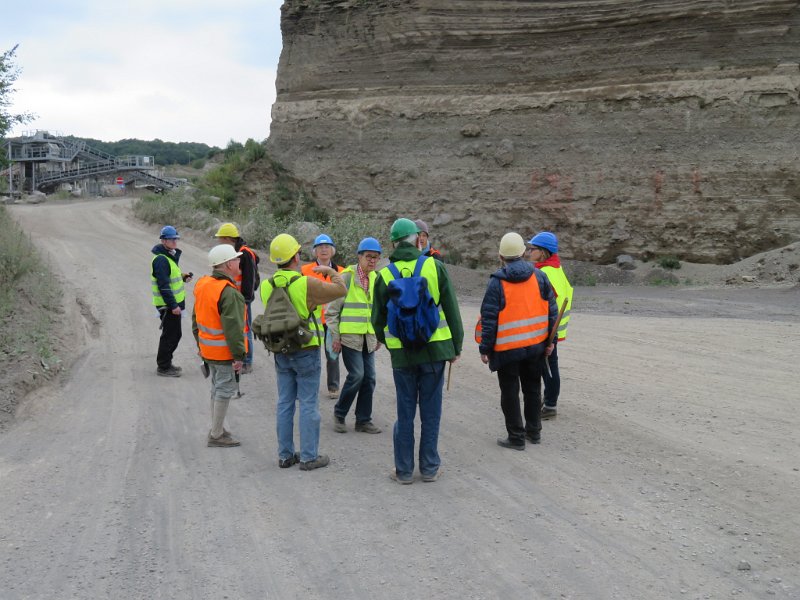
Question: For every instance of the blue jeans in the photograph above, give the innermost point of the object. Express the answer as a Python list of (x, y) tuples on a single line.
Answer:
[(552, 385), (420, 384), (298, 380), (360, 365), (248, 359)]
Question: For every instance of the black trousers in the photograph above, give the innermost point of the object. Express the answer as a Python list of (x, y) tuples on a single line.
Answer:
[(523, 374), (170, 337)]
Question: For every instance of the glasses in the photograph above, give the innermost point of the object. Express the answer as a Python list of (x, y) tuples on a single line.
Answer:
[(372, 258)]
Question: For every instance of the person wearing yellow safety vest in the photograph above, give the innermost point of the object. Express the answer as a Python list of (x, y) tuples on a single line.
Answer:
[(517, 313), (169, 298), (418, 374), (349, 325), (298, 373), (247, 281), (324, 251), (543, 252), (218, 319)]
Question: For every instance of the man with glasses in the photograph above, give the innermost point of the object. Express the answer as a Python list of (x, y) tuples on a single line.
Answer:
[(348, 321)]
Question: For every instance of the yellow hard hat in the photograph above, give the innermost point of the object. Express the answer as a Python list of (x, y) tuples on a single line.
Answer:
[(283, 248), (227, 230), (512, 245)]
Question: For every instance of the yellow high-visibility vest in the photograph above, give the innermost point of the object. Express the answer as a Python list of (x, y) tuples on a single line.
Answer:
[(563, 290), (354, 317), (175, 282)]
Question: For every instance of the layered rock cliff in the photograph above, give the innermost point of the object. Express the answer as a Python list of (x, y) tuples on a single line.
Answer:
[(643, 127)]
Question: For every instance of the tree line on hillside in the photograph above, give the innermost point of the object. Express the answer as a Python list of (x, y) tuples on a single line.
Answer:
[(165, 153)]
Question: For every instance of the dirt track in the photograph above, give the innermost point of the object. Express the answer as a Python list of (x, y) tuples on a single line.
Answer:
[(672, 471)]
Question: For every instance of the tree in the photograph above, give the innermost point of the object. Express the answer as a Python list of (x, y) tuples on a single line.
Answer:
[(8, 76)]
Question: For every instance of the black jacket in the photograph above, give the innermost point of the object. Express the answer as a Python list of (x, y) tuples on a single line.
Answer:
[(250, 276)]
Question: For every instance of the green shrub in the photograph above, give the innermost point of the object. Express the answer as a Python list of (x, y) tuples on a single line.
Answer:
[(17, 254), (669, 262), (198, 163)]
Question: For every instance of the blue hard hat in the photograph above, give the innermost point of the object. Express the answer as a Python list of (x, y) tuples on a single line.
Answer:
[(168, 232), (323, 238), (369, 244), (546, 240)]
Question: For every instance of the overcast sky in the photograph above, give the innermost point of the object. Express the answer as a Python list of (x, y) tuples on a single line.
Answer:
[(177, 70)]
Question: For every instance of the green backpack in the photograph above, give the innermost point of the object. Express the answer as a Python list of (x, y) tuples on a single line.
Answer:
[(280, 327)]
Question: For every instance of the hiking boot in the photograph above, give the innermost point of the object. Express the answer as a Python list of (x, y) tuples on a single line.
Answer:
[(431, 478), (333, 394), (533, 438), (169, 372), (507, 443), (395, 477), (246, 369), (548, 412), (177, 368), (367, 427), (338, 425), (285, 463), (222, 442), (321, 461)]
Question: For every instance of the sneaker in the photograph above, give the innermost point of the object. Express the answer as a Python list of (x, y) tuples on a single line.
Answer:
[(507, 443), (285, 463), (533, 438), (367, 427), (321, 461), (394, 477), (431, 478), (226, 434), (548, 412), (333, 394), (169, 372), (338, 425), (177, 368), (246, 369), (222, 442)]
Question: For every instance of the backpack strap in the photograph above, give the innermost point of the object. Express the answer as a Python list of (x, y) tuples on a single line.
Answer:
[(394, 270), (420, 261), (271, 281)]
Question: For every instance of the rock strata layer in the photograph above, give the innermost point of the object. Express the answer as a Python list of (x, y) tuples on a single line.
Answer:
[(636, 127)]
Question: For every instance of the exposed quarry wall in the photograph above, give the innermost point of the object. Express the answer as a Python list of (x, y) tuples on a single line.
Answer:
[(643, 127)]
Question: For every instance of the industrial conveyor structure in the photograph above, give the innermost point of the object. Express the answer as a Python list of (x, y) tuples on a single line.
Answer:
[(42, 161)]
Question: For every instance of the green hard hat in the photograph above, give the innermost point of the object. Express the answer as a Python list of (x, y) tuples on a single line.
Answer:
[(403, 228)]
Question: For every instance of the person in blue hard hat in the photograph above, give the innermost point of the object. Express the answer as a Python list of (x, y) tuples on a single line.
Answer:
[(169, 298), (352, 334), (324, 251), (543, 253)]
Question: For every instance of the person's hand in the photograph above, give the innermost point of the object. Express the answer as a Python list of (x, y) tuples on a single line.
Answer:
[(329, 271), (454, 359), (176, 310), (237, 365), (378, 346), (549, 350), (337, 346), (485, 359), (187, 276)]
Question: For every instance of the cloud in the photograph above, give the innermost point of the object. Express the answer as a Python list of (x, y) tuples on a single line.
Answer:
[(148, 73)]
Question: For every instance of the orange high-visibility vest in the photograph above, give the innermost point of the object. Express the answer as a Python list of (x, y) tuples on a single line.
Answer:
[(523, 321), (308, 271), (207, 292)]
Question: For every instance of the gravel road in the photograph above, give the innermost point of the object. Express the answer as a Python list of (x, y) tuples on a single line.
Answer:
[(672, 470)]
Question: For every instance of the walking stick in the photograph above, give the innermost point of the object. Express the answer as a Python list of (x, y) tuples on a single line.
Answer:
[(552, 336), (449, 370)]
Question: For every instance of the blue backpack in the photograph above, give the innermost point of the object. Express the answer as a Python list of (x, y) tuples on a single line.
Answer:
[(412, 314)]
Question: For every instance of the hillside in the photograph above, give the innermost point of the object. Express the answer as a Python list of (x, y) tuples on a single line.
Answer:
[(627, 127)]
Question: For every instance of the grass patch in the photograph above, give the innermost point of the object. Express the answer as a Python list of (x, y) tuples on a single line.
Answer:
[(669, 262)]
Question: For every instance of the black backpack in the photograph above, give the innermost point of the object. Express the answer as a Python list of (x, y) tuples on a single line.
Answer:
[(280, 327)]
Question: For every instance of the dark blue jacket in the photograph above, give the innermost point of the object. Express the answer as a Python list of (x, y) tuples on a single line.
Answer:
[(494, 301), (161, 272)]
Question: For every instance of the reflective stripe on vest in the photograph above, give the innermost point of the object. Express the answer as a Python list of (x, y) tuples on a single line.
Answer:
[(406, 268), (298, 294), (210, 334), (523, 321), (308, 271), (175, 282), (354, 317), (563, 290)]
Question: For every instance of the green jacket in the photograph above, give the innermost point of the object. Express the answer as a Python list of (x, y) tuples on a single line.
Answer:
[(434, 351), (231, 311)]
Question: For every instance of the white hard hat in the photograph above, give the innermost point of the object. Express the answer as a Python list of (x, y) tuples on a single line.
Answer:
[(222, 253), (512, 245)]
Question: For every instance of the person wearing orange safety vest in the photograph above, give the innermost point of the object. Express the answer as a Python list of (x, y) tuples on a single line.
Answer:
[(247, 281), (543, 253), (218, 324), (324, 250), (517, 313)]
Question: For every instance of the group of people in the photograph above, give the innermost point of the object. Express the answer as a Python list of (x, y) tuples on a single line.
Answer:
[(349, 311)]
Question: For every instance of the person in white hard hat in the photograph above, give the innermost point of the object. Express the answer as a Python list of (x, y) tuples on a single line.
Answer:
[(517, 313), (218, 324)]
